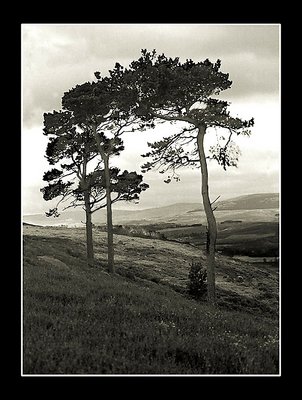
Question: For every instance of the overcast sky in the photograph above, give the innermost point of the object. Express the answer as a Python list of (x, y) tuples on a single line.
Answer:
[(57, 57)]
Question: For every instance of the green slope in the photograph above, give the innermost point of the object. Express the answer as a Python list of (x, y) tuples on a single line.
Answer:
[(80, 320)]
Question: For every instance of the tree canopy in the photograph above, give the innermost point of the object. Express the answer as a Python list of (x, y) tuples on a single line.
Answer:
[(165, 89), (75, 148)]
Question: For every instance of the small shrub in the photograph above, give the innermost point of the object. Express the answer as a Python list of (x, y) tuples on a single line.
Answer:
[(197, 286)]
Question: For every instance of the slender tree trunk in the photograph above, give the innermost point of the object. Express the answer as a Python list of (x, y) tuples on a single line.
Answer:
[(212, 227), (111, 266), (89, 238), (105, 158)]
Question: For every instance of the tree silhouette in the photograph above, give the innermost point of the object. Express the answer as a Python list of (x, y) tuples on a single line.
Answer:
[(164, 89), (106, 112), (71, 148), (83, 189)]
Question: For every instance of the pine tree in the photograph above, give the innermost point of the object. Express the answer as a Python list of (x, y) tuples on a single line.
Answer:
[(76, 135), (105, 110), (164, 89)]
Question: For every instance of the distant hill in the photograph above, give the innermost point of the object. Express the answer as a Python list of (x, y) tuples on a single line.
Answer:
[(180, 212), (255, 201), (251, 202), (166, 212), (76, 217), (72, 218)]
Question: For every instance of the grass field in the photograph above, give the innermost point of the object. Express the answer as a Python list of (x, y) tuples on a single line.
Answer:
[(81, 320), (245, 238)]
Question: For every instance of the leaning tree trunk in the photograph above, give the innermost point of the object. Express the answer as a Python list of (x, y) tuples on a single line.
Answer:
[(111, 266), (89, 238), (212, 227)]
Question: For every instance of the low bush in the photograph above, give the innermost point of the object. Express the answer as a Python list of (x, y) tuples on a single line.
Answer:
[(197, 285)]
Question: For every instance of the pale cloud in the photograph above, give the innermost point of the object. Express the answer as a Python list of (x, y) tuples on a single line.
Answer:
[(57, 57), (33, 161)]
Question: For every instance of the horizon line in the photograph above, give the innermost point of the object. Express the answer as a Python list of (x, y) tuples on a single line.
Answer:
[(168, 205)]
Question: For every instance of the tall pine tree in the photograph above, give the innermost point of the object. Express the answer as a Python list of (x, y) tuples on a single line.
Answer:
[(164, 89), (105, 109), (72, 149)]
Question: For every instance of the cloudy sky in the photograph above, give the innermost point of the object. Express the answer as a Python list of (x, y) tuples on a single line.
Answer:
[(57, 57)]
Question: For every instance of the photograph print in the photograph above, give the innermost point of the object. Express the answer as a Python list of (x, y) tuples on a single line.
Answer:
[(150, 200)]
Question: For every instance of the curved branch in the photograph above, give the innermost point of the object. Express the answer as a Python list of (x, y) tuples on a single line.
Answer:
[(99, 207)]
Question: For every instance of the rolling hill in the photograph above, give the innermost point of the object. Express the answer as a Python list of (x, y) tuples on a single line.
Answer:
[(262, 206), (251, 202)]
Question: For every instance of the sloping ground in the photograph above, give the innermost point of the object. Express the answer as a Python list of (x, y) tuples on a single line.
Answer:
[(82, 320), (240, 285)]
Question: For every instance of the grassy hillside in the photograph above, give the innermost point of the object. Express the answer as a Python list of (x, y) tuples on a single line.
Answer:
[(254, 239), (82, 320)]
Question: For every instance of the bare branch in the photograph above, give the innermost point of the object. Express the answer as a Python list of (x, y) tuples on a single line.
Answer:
[(116, 199), (74, 205), (70, 173), (229, 139), (215, 200), (99, 207), (96, 200)]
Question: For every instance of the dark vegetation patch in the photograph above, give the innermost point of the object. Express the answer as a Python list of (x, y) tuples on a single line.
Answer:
[(254, 239)]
